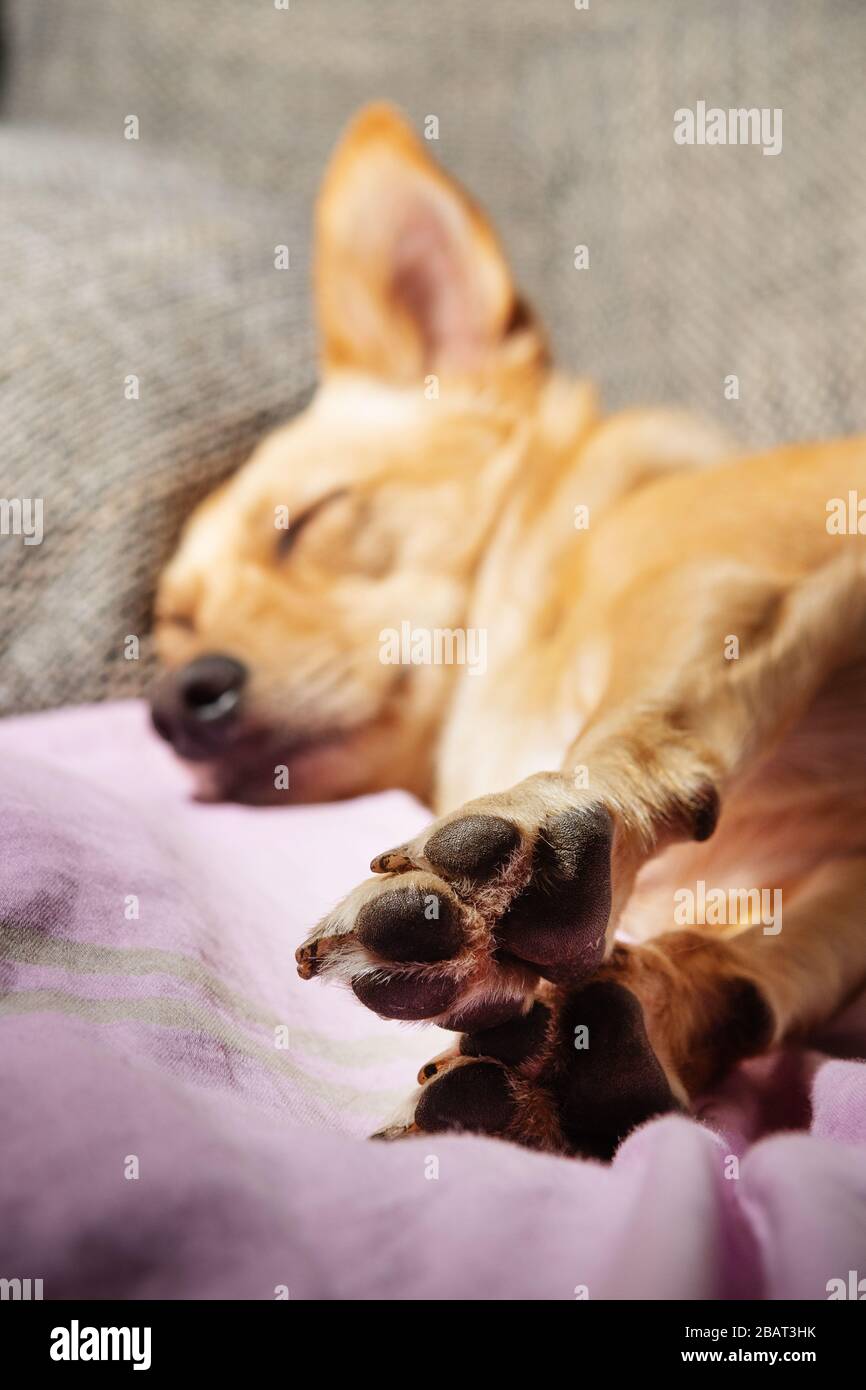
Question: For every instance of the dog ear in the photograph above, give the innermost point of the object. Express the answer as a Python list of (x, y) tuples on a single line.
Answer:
[(409, 275)]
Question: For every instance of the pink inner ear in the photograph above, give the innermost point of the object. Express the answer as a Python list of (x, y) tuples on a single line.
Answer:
[(431, 281)]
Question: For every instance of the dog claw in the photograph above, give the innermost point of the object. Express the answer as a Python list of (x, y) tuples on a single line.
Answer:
[(393, 861), (306, 958), (310, 957), (437, 1064), (396, 1132)]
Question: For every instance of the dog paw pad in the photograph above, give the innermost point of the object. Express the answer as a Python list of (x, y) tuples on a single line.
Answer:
[(558, 922), (613, 1082), (474, 846), (511, 1042), (407, 996), (476, 1096), (410, 925)]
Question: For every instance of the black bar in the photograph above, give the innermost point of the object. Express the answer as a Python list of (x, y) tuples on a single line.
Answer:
[(235, 1338)]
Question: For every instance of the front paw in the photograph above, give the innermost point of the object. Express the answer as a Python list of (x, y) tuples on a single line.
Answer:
[(574, 1075), (468, 916)]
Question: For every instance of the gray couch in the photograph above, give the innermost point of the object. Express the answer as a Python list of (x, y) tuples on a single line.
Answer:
[(154, 257)]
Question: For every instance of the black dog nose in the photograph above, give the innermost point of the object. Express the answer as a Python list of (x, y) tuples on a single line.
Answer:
[(195, 708), (210, 687)]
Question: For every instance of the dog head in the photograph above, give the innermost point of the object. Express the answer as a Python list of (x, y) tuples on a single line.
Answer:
[(368, 512)]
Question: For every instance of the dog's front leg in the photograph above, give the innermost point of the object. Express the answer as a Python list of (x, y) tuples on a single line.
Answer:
[(464, 920), (510, 903), (496, 922), (529, 884), (657, 1025)]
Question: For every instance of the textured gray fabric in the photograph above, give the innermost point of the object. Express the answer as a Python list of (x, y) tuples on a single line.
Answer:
[(156, 257), (115, 264)]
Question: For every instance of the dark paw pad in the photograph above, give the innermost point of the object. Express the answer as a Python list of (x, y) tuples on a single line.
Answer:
[(614, 1082), (511, 1042), (410, 925), (474, 1097), (406, 996), (473, 847), (558, 922)]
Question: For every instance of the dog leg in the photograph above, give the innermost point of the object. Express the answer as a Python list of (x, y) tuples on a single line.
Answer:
[(680, 728), (776, 985), (530, 883), (657, 1025), (466, 918)]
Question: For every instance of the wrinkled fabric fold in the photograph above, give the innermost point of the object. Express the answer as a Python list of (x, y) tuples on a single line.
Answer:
[(150, 1011)]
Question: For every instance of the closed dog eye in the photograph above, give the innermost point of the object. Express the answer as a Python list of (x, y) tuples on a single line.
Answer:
[(289, 536), (185, 621), (352, 544)]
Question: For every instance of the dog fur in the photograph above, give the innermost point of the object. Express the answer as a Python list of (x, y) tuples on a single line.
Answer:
[(434, 478)]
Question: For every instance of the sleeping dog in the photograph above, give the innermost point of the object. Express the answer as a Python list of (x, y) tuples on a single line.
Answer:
[(668, 730)]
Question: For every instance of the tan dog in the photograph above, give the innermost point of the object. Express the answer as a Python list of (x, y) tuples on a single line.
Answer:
[(661, 713)]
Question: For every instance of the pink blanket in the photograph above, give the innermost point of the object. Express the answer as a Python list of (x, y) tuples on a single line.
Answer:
[(182, 1117)]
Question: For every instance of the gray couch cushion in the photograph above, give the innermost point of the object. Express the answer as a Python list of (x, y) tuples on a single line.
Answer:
[(116, 264), (156, 257)]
